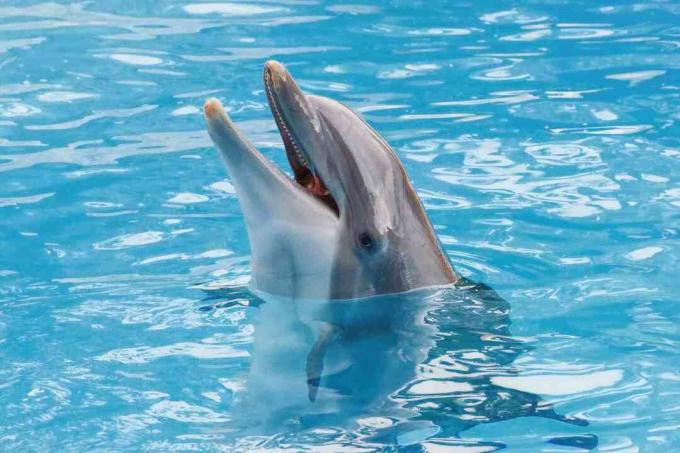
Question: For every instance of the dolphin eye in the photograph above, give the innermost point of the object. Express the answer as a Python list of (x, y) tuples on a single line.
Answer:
[(367, 242)]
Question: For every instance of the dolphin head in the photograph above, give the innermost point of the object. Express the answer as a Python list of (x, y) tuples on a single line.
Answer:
[(372, 231)]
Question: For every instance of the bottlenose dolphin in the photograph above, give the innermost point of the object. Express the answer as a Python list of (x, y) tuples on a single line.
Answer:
[(349, 224), (334, 250)]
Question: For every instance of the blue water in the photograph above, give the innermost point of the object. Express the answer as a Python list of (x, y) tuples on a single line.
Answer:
[(541, 136)]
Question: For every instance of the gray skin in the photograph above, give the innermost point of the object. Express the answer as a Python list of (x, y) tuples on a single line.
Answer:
[(349, 224)]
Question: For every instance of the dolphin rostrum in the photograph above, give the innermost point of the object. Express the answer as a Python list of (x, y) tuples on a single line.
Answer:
[(349, 224)]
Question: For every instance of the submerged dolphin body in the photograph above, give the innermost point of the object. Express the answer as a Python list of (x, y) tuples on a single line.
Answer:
[(349, 225), (431, 361)]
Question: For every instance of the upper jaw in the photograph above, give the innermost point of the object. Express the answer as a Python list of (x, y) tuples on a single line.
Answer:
[(297, 122), (276, 82)]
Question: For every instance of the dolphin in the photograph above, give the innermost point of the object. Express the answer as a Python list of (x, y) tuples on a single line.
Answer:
[(336, 253), (348, 224)]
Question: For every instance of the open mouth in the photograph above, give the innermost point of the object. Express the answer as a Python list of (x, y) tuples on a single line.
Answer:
[(300, 163)]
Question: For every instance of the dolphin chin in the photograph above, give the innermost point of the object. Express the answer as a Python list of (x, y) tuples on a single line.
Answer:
[(348, 223)]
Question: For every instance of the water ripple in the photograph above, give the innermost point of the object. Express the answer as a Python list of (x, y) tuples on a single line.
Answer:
[(146, 354), (53, 15), (80, 154), (255, 53), (116, 113)]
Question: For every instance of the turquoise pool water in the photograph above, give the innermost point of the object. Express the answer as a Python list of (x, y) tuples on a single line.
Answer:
[(542, 138)]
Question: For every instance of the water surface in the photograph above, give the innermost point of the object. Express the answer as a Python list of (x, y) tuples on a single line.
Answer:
[(542, 138)]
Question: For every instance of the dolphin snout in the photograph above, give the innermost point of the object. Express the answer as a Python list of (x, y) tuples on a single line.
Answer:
[(282, 87), (212, 108), (276, 73)]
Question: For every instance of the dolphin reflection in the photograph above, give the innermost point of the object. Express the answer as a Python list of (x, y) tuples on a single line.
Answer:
[(426, 359)]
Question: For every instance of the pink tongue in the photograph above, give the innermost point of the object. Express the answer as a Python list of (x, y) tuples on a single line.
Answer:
[(315, 186)]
